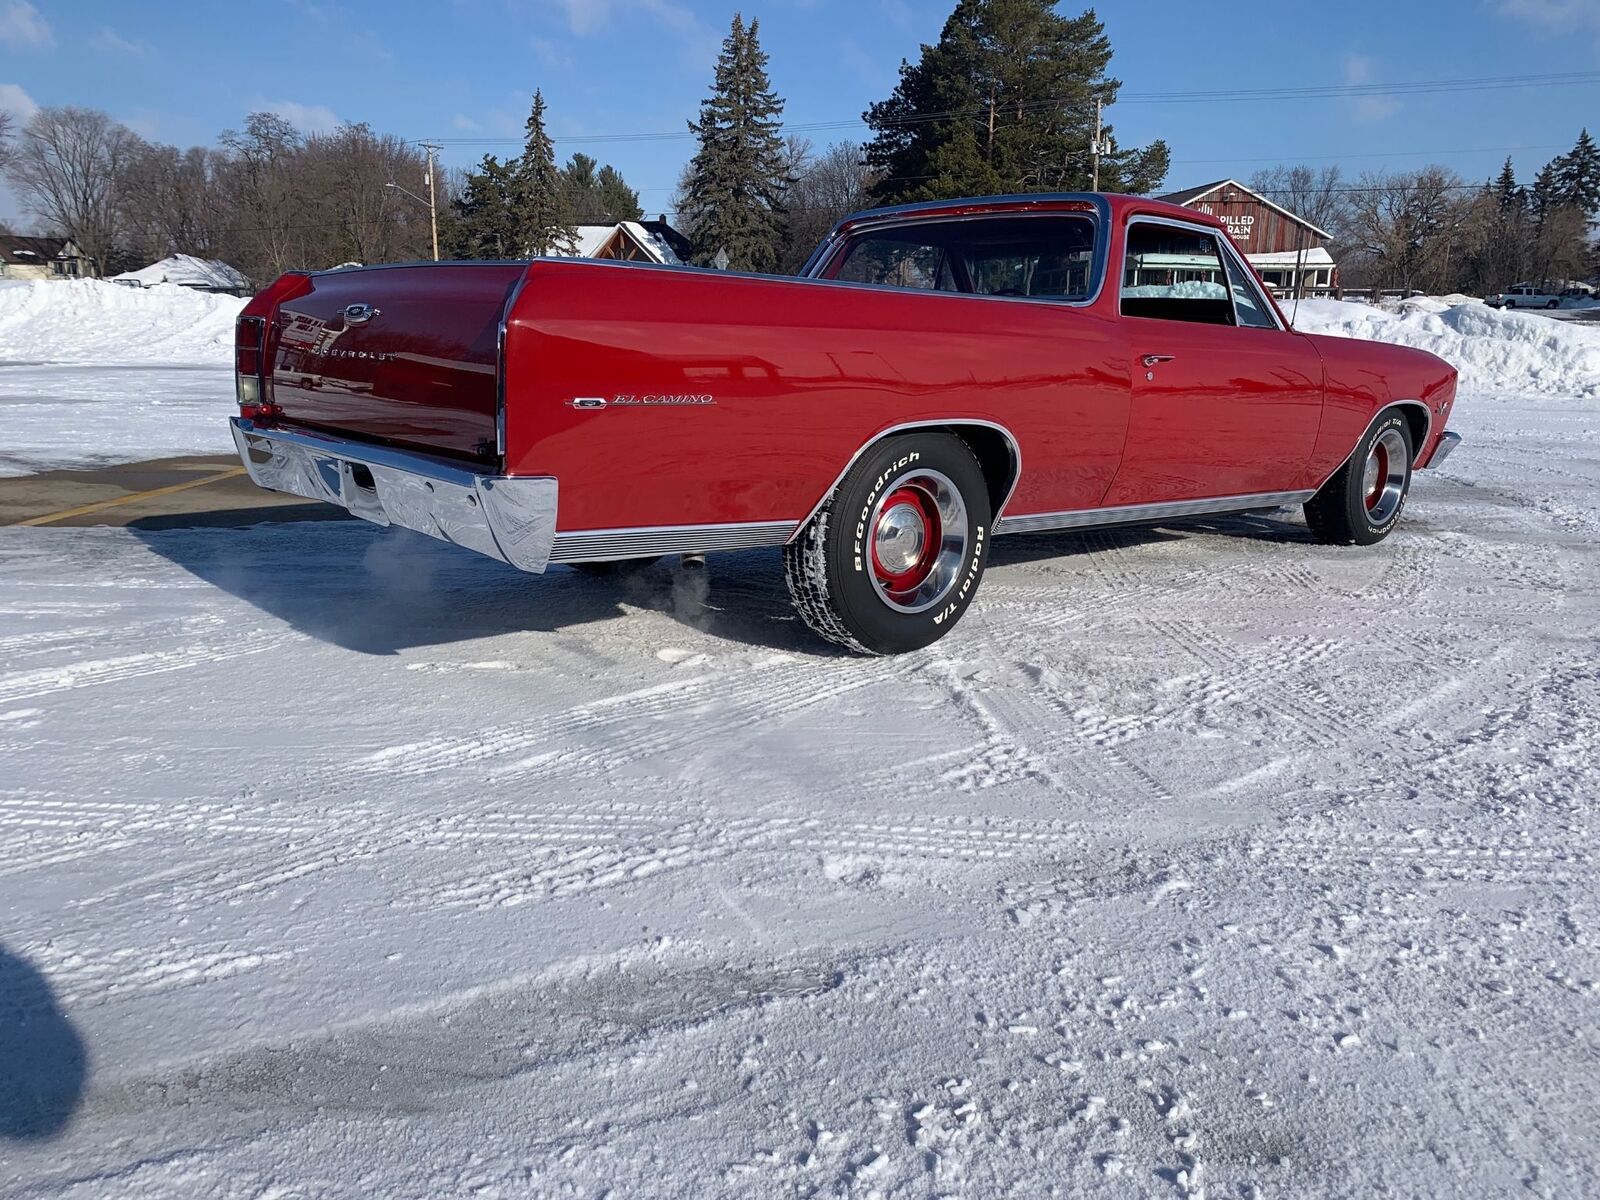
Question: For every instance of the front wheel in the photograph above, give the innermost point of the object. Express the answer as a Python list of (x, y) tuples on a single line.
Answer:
[(894, 557), (1364, 499)]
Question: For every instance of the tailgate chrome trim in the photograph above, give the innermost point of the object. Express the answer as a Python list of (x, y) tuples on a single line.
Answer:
[(512, 518)]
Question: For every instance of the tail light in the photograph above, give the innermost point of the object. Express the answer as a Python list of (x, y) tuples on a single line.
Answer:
[(249, 347), (252, 345)]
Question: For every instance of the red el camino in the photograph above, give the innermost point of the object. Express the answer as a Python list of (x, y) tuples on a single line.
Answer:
[(941, 374)]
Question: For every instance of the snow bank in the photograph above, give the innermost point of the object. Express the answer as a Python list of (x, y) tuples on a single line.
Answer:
[(1494, 351), (91, 321)]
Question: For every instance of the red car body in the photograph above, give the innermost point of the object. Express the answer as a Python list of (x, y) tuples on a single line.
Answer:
[(665, 409)]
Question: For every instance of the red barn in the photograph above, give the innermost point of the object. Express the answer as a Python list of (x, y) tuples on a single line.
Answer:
[(1288, 251)]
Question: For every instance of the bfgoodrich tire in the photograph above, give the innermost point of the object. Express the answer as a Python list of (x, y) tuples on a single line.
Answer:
[(894, 557), (1364, 499)]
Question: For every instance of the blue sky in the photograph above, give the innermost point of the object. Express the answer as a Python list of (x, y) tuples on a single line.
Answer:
[(181, 72)]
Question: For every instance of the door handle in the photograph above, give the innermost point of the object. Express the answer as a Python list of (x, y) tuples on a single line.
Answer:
[(1151, 360)]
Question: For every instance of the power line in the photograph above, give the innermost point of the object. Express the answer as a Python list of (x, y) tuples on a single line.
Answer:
[(1213, 96)]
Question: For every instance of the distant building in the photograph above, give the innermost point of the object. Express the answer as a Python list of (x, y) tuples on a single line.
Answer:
[(42, 258), (1287, 251), (185, 270), (633, 241)]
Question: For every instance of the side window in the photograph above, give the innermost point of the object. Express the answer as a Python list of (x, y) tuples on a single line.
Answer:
[(1249, 309), (1172, 274), (885, 260)]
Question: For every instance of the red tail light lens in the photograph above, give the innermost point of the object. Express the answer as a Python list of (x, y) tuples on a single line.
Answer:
[(248, 335)]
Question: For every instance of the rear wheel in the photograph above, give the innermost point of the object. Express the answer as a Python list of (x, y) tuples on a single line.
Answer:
[(893, 559), (1365, 497)]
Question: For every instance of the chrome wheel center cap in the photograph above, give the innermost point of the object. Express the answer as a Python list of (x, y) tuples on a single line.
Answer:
[(899, 538), (1369, 477)]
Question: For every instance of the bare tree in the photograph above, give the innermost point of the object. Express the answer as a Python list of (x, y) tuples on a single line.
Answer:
[(6, 148), (1309, 192), (826, 187), (66, 167), (353, 215), (268, 204), (172, 203), (1407, 229)]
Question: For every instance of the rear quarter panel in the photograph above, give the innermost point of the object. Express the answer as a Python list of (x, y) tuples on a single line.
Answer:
[(800, 375)]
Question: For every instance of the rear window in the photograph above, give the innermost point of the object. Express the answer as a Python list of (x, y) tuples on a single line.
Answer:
[(1042, 258)]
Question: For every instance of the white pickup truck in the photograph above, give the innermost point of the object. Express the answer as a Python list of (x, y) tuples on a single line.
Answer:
[(1525, 295)]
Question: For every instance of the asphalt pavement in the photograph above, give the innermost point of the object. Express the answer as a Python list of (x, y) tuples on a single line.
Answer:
[(163, 493)]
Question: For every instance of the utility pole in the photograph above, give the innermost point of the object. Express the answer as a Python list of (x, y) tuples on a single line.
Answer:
[(433, 202), (1094, 152)]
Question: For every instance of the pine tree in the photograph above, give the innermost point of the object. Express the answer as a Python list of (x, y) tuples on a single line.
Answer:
[(583, 190), (1005, 101), (1546, 195), (1578, 176), (482, 223), (618, 201), (1508, 195), (538, 197), (598, 197), (734, 194)]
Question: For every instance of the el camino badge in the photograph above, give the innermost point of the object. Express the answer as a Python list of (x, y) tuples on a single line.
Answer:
[(691, 400)]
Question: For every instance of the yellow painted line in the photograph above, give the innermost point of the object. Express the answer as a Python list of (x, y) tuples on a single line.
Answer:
[(84, 510)]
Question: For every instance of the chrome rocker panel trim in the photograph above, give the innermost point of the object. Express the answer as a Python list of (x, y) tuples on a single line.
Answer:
[(509, 518), (1448, 441), (1088, 518), (607, 545)]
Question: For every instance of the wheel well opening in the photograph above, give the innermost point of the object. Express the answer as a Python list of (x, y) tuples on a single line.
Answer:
[(995, 456), (1417, 423)]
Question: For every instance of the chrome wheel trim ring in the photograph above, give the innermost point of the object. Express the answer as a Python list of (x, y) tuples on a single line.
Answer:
[(950, 553), (1384, 476)]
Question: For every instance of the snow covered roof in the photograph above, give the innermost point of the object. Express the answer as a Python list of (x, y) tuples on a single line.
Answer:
[(32, 250), (185, 270), (652, 238), (1313, 256)]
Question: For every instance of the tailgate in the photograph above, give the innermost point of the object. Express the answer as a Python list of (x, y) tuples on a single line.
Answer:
[(403, 355)]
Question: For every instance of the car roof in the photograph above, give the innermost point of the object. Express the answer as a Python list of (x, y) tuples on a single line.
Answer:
[(1111, 203)]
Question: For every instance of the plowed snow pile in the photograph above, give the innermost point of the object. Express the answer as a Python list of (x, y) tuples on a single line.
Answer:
[(1494, 351), (90, 321)]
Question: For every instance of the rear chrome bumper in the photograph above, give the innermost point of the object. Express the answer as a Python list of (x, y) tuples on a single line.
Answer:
[(506, 517), (1448, 441)]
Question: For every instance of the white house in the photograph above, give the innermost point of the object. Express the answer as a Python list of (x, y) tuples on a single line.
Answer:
[(42, 258)]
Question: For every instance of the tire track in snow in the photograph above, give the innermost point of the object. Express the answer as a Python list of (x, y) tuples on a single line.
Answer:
[(49, 681)]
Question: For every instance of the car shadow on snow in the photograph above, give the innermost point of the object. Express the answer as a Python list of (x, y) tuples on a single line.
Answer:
[(383, 590), (43, 1063)]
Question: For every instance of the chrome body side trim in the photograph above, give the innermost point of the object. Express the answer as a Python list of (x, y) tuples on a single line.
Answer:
[(509, 518), (1448, 441), (607, 545), (1125, 514), (500, 370), (1011, 441)]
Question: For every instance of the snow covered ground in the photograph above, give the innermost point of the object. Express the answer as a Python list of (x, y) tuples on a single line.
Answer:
[(94, 372), (1200, 860)]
